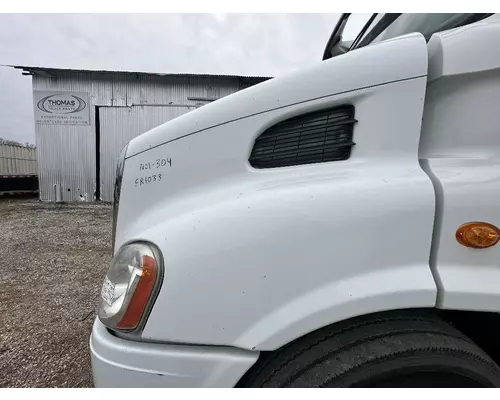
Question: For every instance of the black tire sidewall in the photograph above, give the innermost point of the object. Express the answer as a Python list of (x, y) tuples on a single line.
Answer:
[(369, 351), (399, 365)]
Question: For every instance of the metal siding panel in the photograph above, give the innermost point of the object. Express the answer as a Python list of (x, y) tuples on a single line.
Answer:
[(66, 157), (155, 90), (17, 160), (67, 153)]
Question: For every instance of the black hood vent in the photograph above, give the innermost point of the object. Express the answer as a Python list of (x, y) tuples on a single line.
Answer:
[(316, 137)]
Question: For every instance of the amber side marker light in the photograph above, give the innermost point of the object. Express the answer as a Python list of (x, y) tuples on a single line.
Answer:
[(478, 235)]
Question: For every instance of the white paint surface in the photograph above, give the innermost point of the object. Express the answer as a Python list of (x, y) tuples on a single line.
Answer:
[(123, 363), (256, 258), (460, 147), (401, 58)]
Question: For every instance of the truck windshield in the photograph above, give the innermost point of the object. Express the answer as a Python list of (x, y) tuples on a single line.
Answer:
[(388, 26)]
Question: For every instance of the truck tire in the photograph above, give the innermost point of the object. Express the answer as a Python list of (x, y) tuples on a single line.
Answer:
[(395, 349)]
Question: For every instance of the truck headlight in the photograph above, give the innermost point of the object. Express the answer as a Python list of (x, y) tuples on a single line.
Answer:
[(130, 286)]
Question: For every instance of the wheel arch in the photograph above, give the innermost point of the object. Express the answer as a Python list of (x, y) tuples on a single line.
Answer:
[(482, 328), (405, 287)]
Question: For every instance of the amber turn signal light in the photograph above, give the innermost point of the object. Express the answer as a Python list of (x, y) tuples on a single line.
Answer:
[(478, 235), (129, 286)]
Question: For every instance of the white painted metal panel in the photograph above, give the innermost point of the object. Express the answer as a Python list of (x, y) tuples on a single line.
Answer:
[(124, 363), (321, 80), (257, 258), (460, 149)]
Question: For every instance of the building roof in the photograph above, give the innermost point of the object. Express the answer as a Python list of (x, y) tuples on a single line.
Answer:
[(48, 72)]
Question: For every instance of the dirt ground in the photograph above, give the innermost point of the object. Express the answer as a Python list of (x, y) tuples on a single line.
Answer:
[(53, 258)]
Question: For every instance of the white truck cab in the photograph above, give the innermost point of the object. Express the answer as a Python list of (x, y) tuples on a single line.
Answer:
[(333, 227)]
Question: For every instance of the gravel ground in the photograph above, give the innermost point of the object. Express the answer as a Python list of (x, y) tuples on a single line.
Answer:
[(53, 258)]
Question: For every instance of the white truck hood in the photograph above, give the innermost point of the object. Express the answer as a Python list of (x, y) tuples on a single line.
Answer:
[(231, 234), (323, 79)]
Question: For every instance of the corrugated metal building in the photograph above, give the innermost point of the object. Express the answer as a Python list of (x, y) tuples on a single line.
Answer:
[(84, 118), (18, 169), (16, 160)]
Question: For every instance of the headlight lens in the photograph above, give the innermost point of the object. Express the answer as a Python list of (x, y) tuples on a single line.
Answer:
[(130, 285)]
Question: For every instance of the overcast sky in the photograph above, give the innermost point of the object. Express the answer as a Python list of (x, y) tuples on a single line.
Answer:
[(246, 44)]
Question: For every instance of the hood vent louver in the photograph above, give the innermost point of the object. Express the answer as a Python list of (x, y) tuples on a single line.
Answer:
[(316, 137)]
